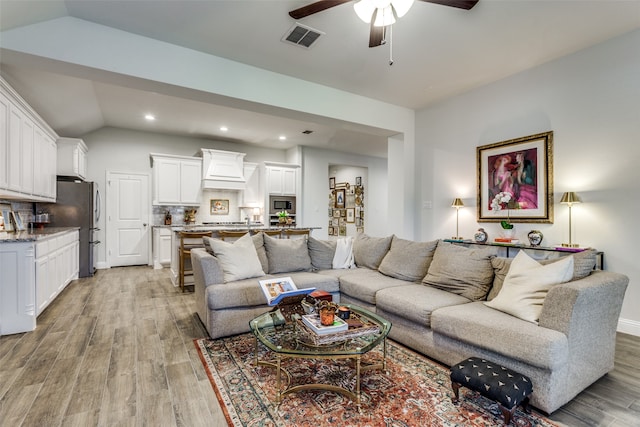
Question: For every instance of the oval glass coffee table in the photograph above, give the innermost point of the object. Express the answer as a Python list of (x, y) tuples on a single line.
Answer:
[(294, 340)]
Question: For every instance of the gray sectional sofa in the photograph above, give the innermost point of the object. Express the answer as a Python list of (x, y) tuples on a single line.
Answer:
[(446, 301)]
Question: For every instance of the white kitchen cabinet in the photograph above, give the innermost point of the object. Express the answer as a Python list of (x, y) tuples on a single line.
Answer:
[(161, 247), (44, 149), (4, 141), (281, 180), (72, 157), (252, 195), (17, 288), (176, 180), (27, 171), (56, 265)]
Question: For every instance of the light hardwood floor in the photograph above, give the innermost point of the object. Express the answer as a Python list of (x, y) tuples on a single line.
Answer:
[(117, 349)]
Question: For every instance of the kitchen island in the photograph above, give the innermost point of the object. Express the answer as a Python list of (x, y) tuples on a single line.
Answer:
[(161, 238)]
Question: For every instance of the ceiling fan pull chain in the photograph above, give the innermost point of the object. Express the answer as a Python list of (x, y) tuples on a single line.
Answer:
[(390, 45)]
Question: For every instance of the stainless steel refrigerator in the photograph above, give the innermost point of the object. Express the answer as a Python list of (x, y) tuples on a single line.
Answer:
[(77, 205)]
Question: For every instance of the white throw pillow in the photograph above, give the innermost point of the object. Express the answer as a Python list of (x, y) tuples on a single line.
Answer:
[(239, 259), (527, 284)]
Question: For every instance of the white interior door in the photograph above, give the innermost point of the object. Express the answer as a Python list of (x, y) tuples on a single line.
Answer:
[(128, 204)]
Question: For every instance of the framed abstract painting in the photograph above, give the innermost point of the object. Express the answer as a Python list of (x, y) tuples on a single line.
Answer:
[(515, 180)]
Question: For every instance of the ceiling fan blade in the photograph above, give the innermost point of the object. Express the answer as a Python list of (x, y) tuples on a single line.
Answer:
[(376, 35), (461, 4), (316, 7)]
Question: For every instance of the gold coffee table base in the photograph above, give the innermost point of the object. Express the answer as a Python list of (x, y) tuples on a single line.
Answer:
[(359, 369)]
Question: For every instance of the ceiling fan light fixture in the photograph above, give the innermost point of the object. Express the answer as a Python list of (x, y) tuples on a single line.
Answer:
[(388, 10)]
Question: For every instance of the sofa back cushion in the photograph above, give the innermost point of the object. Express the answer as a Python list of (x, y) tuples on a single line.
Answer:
[(287, 255), (239, 259), (583, 264), (463, 271), (408, 260), (369, 251), (321, 253)]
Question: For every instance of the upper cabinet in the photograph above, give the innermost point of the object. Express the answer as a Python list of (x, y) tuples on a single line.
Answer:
[(72, 157), (281, 179), (176, 180), (27, 151)]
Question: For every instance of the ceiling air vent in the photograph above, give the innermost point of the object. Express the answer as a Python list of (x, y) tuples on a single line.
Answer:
[(302, 36)]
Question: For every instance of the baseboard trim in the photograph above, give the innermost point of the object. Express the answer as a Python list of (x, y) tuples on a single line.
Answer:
[(101, 265), (627, 326)]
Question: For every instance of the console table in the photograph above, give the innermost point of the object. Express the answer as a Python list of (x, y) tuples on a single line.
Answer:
[(511, 249)]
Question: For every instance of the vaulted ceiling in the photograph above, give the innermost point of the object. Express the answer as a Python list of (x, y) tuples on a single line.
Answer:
[(438, 52)]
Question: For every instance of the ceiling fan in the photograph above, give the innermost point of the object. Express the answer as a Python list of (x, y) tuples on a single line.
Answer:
[(379, 13)]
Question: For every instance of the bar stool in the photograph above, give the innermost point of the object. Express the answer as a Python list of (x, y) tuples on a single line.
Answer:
[(297, 232), (273, 233), (184, 251), (226, 233)]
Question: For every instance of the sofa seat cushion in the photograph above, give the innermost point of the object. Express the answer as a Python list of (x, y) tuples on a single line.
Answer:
[(416, 302), (247, 293), (481, 326), (364, 283), (342, 272)]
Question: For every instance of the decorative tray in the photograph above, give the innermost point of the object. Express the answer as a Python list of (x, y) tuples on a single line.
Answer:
[(358, 327)]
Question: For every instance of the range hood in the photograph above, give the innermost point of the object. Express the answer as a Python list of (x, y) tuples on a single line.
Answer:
[(222, 170)]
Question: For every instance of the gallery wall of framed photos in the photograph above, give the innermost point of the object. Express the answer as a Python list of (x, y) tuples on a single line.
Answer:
[(346, 206)]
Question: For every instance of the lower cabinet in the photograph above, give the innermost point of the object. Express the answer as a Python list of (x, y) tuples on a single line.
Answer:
[(56, 266), (161, 247), (32, 275)]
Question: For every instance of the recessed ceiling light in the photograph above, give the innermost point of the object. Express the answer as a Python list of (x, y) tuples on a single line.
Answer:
[(150, 117), (224, 128), (282, 137)]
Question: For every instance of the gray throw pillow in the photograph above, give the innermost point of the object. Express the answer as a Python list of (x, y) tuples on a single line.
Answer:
[(408, 260), (460, 270), (239, 260), (287, 255), (369, 251), (258, 241), (321, 253)]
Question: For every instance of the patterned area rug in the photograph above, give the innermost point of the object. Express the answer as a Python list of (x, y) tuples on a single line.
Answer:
[(414, 391)]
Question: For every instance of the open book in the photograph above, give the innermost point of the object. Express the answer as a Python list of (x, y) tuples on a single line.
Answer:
[(281, 287)]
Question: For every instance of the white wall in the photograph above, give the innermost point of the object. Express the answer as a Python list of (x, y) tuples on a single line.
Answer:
[(591, 100), (315, 184)]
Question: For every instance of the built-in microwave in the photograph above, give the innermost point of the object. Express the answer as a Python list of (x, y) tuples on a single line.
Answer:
[(282, 203)]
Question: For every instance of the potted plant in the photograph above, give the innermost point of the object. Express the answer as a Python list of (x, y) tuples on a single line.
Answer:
[(282, 216), (504, 200)]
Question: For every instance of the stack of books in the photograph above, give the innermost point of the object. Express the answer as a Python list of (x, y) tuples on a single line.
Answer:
[(506, 240), (312, 321)]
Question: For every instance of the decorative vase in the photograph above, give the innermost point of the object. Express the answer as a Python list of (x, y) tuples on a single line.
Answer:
[(535, 237), (282, 220), (480, 236), (509, 233), (326, 316), (289, 220)]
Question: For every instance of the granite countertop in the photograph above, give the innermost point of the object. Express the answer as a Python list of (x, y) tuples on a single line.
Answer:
[(32, 236), (230, 227)]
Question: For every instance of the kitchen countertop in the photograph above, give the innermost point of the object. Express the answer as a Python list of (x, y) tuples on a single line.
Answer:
[(32, 236), (229, 227)]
